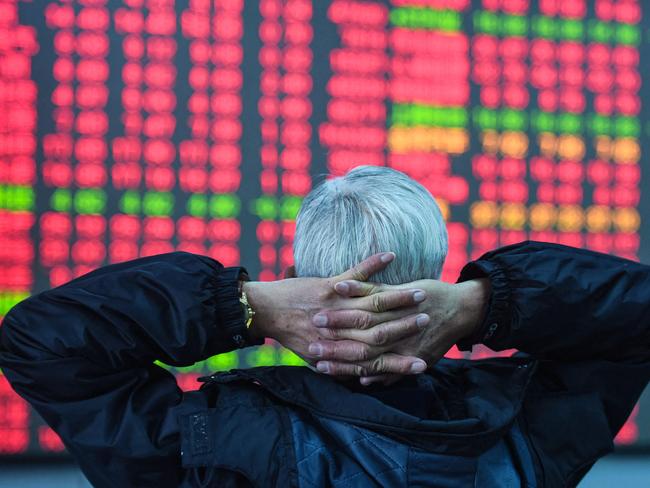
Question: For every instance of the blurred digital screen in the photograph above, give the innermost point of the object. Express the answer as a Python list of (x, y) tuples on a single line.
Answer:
[(136, 127)]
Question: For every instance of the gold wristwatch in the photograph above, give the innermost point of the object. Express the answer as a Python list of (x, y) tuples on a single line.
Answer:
[(249, 313)]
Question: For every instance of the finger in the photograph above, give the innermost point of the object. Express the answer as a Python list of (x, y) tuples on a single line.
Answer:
[(386, 333), (366, 268), (390, 299), (360, 310), (385, 363), (352, 288), (343, 350), (386, 379), (369, 380), (357, 319)]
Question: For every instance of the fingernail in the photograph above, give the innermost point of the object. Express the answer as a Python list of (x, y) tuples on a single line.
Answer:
[(320, 320), (419, 296), (387, 257), (365, 381), (342, 287), (323, 367), (418, 367), (422, 320), (316, 349)]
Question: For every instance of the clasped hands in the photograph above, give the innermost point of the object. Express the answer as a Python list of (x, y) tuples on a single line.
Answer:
[(347, 325)]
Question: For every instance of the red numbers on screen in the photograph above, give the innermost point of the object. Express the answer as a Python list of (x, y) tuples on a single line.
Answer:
[(18, 176), (14, 420)]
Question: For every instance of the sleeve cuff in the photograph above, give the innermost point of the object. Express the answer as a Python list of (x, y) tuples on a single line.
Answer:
[(498, 314), (230, 315)]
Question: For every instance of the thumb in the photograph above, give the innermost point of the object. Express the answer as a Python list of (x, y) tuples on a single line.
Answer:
[(366, 268), (351, 288)]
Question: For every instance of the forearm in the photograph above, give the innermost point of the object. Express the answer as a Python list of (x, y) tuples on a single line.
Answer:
[(82, 355), (559, 302), (178, 308)]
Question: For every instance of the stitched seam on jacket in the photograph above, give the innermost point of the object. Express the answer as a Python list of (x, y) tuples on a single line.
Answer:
[(386, 455)]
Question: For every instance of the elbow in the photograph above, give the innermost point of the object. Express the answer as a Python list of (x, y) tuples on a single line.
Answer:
[(9, 330), (18, 332)]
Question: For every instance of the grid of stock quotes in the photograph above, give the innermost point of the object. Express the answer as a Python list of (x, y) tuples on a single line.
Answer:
[(135, 127)]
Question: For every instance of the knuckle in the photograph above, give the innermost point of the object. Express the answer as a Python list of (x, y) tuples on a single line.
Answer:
[(372, 289), (366, 320), (325, 294), (355, 321), (343, 369), (409, 324), (379, 365), (363, 352), (359, 273), (331, 334), (362, 320), (358, 321), (361, 370), (379, 337), (378, 302)]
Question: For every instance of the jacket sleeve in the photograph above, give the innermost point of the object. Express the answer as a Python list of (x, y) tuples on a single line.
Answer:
[(83, 356), (586, 317)]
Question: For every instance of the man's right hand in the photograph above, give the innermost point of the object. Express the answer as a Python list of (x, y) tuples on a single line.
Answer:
[(455, 311)]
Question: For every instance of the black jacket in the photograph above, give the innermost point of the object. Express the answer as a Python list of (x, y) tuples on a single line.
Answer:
[(82, 355)]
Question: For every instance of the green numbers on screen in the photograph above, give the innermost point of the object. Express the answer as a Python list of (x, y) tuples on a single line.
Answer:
[(8, 299), (226, 206), (505, 25), (289, 208), (426, 18), (412, 114), (90, 201), (61, 200), (265, 207), (504, 119), (16, 197), (268, 207), (158, 203), (130, 203), (197, 205)]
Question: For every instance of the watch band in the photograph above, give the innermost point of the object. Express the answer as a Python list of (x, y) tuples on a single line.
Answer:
[(249, 313)]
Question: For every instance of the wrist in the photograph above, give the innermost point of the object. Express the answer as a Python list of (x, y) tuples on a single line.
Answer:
[(474, 296), (258, 297)]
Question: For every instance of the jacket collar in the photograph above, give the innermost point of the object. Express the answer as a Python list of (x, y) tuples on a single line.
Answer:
[(492, 393)]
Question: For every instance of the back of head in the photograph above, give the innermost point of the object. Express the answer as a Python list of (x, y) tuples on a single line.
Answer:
[(369, 210)]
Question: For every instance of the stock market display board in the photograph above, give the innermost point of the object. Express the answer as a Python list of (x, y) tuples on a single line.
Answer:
[(136, 127)]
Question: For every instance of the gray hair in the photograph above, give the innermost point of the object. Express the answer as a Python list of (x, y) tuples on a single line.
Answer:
[(369, 210)]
